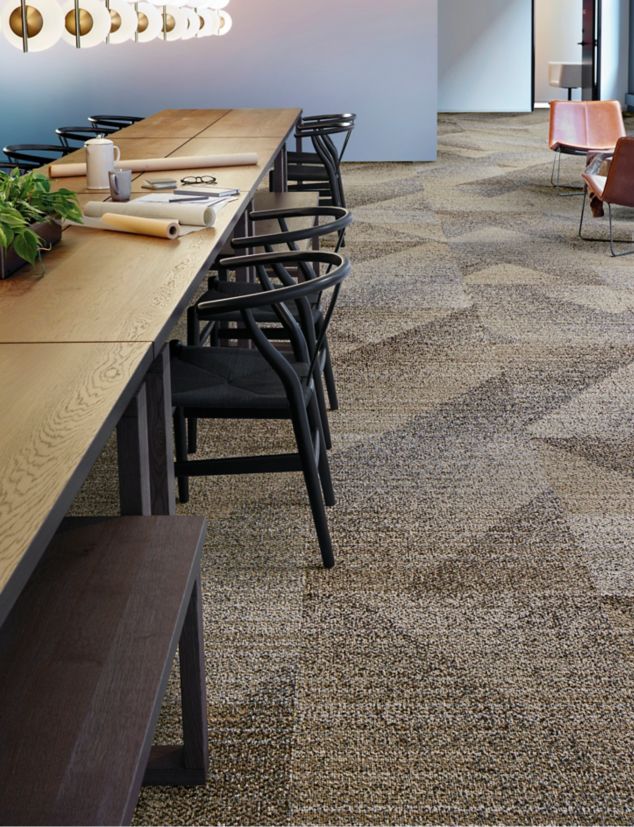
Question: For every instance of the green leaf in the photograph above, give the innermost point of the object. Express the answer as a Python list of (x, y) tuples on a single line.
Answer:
[(27, 245)]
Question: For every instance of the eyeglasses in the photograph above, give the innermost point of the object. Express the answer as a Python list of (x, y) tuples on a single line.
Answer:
[(199, 179)]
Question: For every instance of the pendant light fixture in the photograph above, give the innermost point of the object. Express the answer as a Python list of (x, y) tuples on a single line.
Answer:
[(35, 25), (32, 26)]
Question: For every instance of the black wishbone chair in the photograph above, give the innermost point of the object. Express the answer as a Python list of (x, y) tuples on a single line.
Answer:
[(203, 325), (27, 157), (264, 382), (73, 137), (320, 171), (112, 123), (312, 158)]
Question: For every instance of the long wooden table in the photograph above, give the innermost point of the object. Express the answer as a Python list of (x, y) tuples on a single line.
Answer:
[(84, 343)]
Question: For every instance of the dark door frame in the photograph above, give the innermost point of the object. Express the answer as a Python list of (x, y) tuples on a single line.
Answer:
[(596, 93)]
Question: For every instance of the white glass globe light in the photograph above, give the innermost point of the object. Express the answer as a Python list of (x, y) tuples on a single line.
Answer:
[(207, 22), (194, 24), (94, 23), (44, 25), (177, 23), (123, 21), (150, 22)]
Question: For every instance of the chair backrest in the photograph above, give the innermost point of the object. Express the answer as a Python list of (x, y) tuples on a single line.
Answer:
[(112, 123), (303, 294), (337, 220), (79, 134), (344, 119), (31, 156), (585, 125), (619, 187)]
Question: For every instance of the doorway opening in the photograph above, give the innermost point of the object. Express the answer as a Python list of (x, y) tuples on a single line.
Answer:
[(566, 50)]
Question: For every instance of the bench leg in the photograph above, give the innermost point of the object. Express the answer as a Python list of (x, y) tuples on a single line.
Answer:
[(188, 764)]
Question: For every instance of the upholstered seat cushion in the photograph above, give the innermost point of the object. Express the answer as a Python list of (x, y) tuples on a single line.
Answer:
[(228, 379)]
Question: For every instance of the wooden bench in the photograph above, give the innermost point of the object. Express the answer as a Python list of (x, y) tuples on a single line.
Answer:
[(85, 656)]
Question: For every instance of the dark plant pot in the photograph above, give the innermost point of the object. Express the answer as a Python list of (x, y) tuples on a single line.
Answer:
[(49, 231)]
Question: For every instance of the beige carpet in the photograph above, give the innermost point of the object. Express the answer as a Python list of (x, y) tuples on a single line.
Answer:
[(470, 658)]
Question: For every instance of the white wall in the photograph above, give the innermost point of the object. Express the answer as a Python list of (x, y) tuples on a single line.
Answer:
[(377, 60), (558, 26), (484, 55), (614, 49)]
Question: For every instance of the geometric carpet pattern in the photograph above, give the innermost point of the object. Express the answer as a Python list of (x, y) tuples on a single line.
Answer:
[(470, 659)]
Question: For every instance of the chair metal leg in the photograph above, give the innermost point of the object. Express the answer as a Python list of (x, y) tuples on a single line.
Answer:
[(556, 180), (583, 211), (180, 449), (313, 484), (321, 402), (612, 247), (329, 376), (611, 240), (323, 466)]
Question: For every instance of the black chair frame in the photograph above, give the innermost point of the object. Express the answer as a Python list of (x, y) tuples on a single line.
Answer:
[(80, 134), (295, 372), (113, 123), (214, 326), (26, 157)]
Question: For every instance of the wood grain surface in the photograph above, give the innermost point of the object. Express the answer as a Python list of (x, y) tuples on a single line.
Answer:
[(112, 287), (58, 400), (88, 648)]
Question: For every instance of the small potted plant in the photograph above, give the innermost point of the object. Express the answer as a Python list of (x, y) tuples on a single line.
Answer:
[(29, 218)]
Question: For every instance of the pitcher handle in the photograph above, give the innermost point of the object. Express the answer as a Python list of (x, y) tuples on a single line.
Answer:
[(117, 156)]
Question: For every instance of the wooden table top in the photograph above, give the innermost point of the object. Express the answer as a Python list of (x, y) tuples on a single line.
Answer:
[(76, 342), (60, 404), (109, 287)]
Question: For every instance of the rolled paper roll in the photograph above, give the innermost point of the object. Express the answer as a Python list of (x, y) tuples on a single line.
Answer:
[(162, 164), (158, 227), (196, 215)]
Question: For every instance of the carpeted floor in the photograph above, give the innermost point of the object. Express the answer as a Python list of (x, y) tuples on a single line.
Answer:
[(471, 657)]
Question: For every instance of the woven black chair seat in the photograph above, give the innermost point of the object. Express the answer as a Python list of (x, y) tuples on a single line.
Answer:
[(229, 379)]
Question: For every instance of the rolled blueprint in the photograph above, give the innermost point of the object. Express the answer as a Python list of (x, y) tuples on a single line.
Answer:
[(198, 215), (161, 164), (157, 227)]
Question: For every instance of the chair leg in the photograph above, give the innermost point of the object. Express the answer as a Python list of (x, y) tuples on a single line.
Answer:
[(329, 376), (323, 411), (583, 211), (314, 420), (610, 239), (180, 446), (612, 247), (556, 180), (313, 485)]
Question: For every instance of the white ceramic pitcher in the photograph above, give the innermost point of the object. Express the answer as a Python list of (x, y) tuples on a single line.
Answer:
[(101, 156)]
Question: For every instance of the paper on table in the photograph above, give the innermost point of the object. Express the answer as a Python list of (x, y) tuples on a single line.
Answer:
[(192, 214), (159, 164), (157, 227)]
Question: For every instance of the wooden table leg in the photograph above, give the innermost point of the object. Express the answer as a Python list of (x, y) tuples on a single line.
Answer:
[(280, 172), (133, 458), (161, 450)]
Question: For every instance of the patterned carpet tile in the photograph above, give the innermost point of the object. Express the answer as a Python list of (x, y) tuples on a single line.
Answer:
[(470, 659)]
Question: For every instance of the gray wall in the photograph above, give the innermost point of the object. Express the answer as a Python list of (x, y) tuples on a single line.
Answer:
[(377, 59), (484, 55)]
